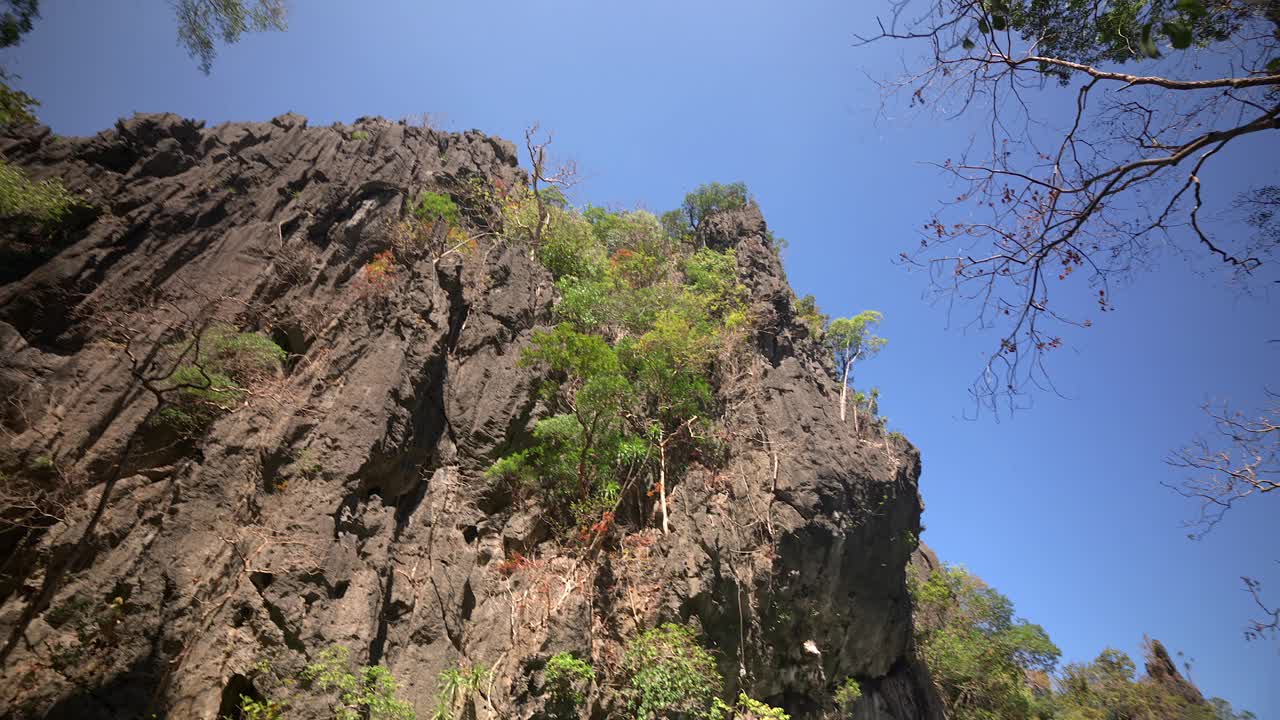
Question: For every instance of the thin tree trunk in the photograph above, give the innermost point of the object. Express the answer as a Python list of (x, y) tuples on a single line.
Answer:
[(662, 483), (844, 387)]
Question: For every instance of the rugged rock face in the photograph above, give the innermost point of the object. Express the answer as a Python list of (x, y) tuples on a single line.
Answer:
[(1162, 671), (345, 502)]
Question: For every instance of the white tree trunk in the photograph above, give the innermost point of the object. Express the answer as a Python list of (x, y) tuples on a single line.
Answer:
[(662, 483), (844, 387)]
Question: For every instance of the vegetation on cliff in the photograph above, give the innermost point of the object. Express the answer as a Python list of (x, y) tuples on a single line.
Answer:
[(989, 665)]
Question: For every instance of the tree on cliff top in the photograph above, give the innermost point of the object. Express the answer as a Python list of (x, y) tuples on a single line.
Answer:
[(851, 339)]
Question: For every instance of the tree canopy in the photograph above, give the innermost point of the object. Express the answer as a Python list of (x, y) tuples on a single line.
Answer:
[(989, 665)]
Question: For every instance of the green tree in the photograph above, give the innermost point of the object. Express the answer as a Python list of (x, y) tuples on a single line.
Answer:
[(575, 454), (712, 198), (978, 655), (368, 692), (851, 339)]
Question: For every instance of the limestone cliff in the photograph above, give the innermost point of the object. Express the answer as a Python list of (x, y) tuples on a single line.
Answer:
[(345, 501)]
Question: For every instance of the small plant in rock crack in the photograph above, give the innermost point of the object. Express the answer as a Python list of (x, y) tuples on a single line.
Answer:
[(459, 689), (95, 628), (305, 462), (251, 709), (364, 693), (380, 270), (360, 135), (848, 693), (567, 680), (434, 227), (517, 562)]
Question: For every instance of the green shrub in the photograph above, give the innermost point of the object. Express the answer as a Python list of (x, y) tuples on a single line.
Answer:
[(676, 225), (433, 207), (808, 314), (365, 693), (668, 673), (848, 693), (245, 356), (644, 322), (43, 465), (251, 709), (458, 688), (567, 678), (569, 247), (46, 203), (748, 708), (359, 135), (553, 196), (226, 362)]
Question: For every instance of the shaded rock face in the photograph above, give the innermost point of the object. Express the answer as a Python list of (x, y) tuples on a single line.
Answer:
[(345, 501)]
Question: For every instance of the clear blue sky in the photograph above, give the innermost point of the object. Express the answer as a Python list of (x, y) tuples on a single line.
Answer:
[(1060, 507)]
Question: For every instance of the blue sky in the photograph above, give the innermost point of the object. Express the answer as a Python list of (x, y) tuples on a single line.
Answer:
[(1059, 507)]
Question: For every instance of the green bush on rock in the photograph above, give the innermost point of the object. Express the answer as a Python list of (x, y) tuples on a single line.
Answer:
[(215, 371)]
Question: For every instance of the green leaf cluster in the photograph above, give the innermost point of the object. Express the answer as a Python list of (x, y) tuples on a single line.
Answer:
[(567, 678), (362, 693), (668, 673), (854, 337), (1108, 688), (201, 23), (712, 198), (848, 693), (46, 203), (251, 709), (1111, 31), (433, 207), (16, 106), (458, 687), (809, 315), (747, 708)]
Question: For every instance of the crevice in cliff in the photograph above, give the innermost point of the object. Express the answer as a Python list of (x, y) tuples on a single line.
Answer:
[(261, 581), (237, 686), (378, 647)]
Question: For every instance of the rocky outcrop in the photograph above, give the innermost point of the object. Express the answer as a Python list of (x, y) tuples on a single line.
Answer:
[(344, 502), (1163, 673)]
